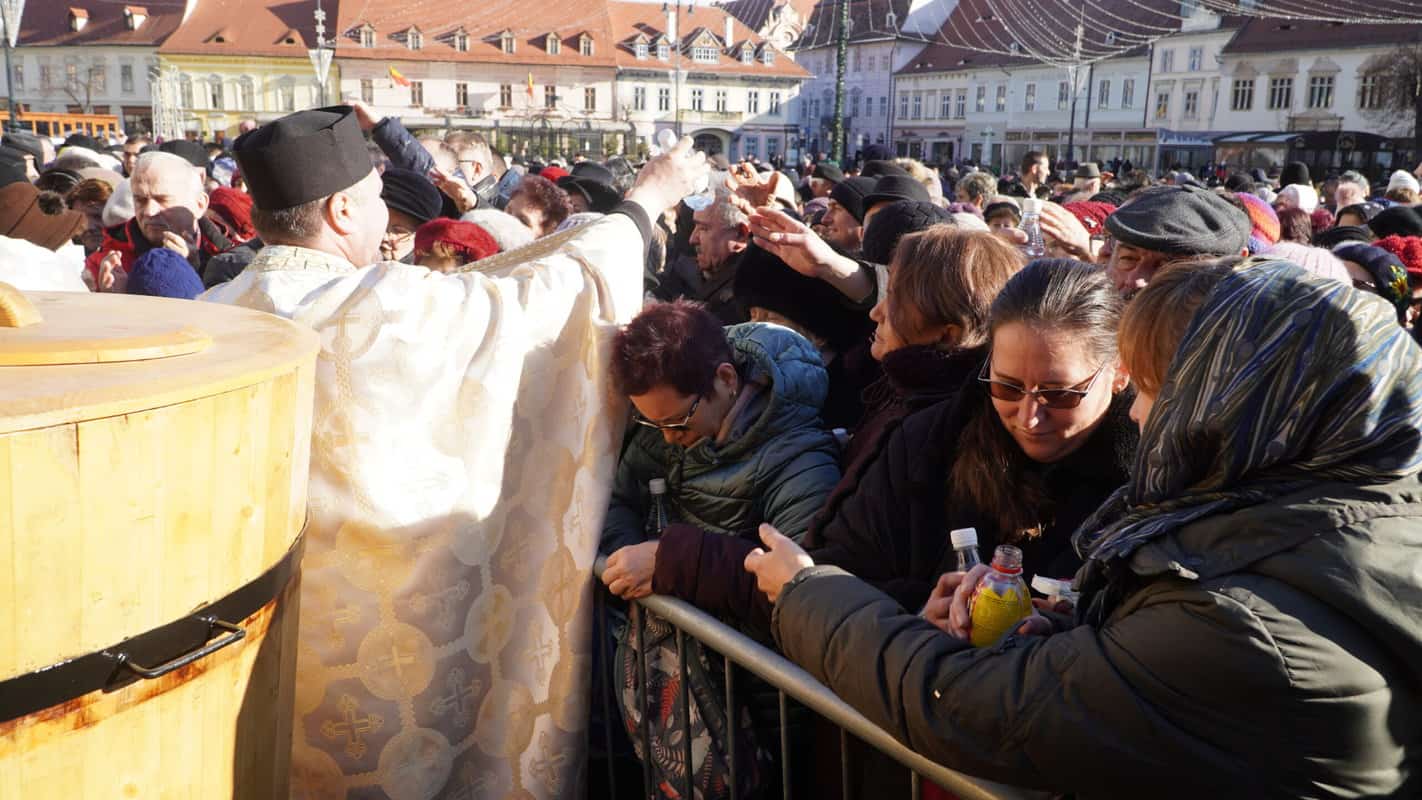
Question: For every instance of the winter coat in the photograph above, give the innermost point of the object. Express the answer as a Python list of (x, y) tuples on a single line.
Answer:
[(683, 279), (1274, 651), (129, 240), (227, 265), (914, 378), (778, 467)]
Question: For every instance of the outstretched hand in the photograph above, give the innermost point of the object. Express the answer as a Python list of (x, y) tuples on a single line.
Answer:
[(669, 177), (750, 191), (791, 241), (775, 568)]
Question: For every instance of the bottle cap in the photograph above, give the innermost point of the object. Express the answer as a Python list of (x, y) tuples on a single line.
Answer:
[(1051, 587), (1031, 205), (657, 485), (963, 537)]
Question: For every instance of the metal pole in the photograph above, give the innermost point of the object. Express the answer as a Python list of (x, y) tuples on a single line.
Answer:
[(841, 62), (10, 83)]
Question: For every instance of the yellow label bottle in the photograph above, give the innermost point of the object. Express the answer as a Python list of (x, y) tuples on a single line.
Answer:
[(1001, 600)]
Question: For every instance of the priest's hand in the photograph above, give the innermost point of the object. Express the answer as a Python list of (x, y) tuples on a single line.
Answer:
[(774, 569), (669, 177), (112, 278), (366, 120), (458, 191), (628, 573)]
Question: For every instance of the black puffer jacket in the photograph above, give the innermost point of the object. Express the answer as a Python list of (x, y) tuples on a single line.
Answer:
[(1275, 651)]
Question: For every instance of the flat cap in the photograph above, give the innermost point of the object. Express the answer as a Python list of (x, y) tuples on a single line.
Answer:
[(1088, 170), (829, 171), (302, 157), (1181, 220)]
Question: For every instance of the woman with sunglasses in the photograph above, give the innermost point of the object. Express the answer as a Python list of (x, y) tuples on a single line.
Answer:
[(1248, 623), (729, 418)]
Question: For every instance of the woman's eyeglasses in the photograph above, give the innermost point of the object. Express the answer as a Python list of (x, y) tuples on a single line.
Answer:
[(1069, 397), (669, 426)]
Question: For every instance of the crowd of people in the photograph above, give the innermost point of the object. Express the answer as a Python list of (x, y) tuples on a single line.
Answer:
[(1201, 402)]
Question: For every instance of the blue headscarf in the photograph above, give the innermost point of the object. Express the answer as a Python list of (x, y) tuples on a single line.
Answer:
[(1283, 379)]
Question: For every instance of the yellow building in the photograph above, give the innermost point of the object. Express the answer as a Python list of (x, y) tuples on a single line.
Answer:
[(238, 59)]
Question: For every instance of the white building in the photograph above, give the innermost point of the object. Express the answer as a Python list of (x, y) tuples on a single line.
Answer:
[(601, 77), (884, 35), (92, 57)]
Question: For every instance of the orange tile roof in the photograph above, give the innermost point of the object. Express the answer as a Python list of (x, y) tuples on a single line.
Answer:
[(47, 24), (249, 27), (630, 19)]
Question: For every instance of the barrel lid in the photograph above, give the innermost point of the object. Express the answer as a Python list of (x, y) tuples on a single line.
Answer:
[(52, 328), (92, 356)]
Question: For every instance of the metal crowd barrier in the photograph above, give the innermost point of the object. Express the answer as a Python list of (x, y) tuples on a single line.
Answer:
[(790, 681)]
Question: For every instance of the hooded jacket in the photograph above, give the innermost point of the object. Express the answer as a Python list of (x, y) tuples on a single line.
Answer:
[(778, 465)]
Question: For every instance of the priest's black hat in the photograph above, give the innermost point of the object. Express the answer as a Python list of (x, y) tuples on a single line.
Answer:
[(593, 182), (302, 157)]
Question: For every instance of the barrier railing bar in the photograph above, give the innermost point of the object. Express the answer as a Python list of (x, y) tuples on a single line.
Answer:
[(799, 684), (642, 699), (734, 725), (784, 748), (685, 716), (845, 790), (609, 698), (915, 786)]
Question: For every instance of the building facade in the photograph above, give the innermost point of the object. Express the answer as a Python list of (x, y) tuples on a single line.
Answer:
[(236, 60), (600, 77), (92, 58)]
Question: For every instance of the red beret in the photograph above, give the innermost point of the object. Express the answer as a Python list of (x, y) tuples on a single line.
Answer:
[(467, 239), (1092, 214), (554, 173)]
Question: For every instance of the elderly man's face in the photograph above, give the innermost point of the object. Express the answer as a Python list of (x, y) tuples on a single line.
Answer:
[(167, 197), (1131, 267), (714, 240)]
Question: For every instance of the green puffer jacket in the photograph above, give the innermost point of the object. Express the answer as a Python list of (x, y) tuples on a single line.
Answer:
[(777, 467), (1275, 651)]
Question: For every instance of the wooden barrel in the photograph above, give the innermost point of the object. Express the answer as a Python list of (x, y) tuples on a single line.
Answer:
[(153, 469)]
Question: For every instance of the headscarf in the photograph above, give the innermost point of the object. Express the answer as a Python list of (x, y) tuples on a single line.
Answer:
[(1282, 379)]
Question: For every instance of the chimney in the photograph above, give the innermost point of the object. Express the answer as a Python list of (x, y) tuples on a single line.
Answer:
[(671, 22), (730, 29), (135, 15), (78, 18)]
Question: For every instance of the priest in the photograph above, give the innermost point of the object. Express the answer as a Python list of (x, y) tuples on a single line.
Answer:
[(463, 441)]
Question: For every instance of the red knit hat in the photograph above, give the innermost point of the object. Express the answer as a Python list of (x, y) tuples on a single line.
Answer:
[(1409, 250), (1092, 214), (235, 209), (554, 173), (469, 241)]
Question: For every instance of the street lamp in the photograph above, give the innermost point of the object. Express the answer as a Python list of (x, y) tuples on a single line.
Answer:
[(10, 13), (322, 52)]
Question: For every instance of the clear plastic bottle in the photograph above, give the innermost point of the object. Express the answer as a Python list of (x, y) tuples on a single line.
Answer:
[(1036, 246), (657, 516), (1000, 600), (1056, 590), (965, 542), (703, 196)]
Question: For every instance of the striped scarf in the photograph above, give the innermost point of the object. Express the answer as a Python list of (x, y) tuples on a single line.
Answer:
[(1283, 379)]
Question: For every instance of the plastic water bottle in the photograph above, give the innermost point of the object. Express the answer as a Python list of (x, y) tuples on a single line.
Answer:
[(965, 542), (1001, 600), (657, 517), (703, 197), (1056, 590), (1031, 225)]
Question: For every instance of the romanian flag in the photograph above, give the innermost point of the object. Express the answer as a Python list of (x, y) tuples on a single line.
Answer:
[(530, 86), (398, 78)]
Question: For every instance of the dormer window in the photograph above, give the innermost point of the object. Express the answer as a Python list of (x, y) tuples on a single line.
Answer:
[(506, 42), (1110, 37), (747, 54), (367, 36), (414, 39), (767, 55), (135, 16), (78, 18), (553, 45), (585, 45), (640, 49), (461, 41), (663, 51), (702, 53), (891, 20)]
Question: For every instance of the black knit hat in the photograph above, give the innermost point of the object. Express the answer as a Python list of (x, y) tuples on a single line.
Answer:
[(1294, 172), (895, 187), (850, 193), (893, 222), (409, 192), (828, 170), (1181, 220), (1397, 221), (1338, 234), (764, 280), (191, 152), (880, 168)]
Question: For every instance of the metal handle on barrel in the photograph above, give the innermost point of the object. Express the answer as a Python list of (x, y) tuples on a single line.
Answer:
[(234, 634)]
